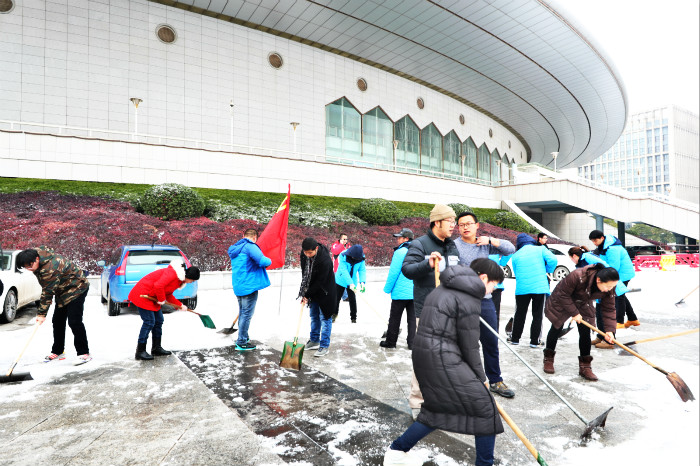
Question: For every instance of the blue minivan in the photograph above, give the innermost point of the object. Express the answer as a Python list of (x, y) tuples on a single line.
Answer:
[(129, 264)]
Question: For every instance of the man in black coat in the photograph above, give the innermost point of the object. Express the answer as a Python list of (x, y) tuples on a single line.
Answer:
[(318, 290), (419, 266), (452, 379)]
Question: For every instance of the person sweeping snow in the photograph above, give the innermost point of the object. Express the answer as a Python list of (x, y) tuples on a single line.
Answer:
[(454, 386), (159, 284)]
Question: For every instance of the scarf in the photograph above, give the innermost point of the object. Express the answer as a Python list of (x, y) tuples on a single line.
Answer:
[(306, 276)]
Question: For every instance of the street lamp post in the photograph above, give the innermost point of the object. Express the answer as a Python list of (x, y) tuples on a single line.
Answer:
[(554, 155), (396, 146), (294, 131), (136, 101), (231, 140)]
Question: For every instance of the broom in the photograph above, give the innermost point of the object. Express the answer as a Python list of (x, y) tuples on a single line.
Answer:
[(206, 320), (291, 351)]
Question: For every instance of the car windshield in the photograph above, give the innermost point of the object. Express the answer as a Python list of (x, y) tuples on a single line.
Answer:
[(151, 257), (5, 260)]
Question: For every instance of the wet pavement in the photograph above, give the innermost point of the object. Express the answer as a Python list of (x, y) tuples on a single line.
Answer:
[(216, 406)]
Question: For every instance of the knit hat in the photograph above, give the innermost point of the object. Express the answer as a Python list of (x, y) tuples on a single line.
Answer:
[(441, 212)]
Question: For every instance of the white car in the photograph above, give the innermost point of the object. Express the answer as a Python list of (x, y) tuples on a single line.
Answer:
[(20, 288), (564, 263)]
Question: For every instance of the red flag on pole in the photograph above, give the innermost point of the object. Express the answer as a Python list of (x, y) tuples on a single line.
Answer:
[(273, 240)]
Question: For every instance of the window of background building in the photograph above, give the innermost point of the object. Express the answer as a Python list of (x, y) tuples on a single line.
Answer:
[(664, 134), (483, 163), (377, 137), (408, 149), (649, 141), (430, 149), (657, 140), (343, 136), (469, 150), (666, 168), (452, 162)]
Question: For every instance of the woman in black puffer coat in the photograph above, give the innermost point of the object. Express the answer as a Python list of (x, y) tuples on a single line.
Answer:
[(447, 363)]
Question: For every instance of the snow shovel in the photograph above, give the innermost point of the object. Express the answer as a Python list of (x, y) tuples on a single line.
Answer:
[(682, 302), (630, 344), (678, 383), (206, 320), (230, 330), (291, 351), (590, 425), (19, 376), (521, 436)]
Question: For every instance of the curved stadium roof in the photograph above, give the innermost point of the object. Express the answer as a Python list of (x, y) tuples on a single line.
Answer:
[(522, 62)]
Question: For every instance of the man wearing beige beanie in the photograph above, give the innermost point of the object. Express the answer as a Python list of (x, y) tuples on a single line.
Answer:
[(419, 265)]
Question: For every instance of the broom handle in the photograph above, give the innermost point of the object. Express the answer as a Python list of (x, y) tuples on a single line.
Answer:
[(687, 332), (437, 272), (694, 289), (301, 314), (519, 433), (36, 327), (633, 353)]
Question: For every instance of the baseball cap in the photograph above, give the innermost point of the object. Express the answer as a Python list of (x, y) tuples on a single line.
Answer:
[(405, 232)]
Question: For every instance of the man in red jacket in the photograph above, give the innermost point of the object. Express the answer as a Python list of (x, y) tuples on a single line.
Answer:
[(159, 284)]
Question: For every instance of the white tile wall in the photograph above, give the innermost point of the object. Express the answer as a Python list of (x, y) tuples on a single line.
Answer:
[(81, 66)]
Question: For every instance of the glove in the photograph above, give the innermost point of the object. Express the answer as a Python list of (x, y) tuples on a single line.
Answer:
[(362, 287), (352, 287)]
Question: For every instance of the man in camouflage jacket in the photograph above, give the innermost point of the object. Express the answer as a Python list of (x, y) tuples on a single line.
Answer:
[(63, 279)]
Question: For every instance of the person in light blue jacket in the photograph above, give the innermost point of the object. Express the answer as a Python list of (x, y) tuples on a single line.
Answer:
[(351, 275), (401, 290), (248, 275), (531, 264), (611, 250), (581, 257), (498, 290)]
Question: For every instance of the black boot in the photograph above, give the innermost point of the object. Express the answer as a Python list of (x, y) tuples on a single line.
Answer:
[(157, 350), (141, 352)]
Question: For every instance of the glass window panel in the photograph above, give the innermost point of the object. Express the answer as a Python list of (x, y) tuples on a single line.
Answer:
[(408, 149), (495, 166), (430, 149), (377, 138), (343, 131), (452, 161), (483, 163), (469, 150)]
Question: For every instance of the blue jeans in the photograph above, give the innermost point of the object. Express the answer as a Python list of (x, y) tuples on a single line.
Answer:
[(246, 308), (152, 322), (484, 443), (489, 341), (320, 326)]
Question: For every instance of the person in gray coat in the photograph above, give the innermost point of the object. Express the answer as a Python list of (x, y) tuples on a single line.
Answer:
[(448, 366)]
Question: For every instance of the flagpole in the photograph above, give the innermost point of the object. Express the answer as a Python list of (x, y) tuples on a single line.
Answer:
[(279, 305)]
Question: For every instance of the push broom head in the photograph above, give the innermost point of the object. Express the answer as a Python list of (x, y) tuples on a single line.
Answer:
[(680, 386)]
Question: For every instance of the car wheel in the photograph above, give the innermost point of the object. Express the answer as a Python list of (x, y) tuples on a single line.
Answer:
[(507, 272), (9, 307), (560, 273), (113, 309), (192, 303)]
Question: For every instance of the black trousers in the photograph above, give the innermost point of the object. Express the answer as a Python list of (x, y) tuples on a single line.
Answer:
[(496, 298), (584, 339), (522, 302), (396, 310), (73, 313), (351, 299), (624, 307)]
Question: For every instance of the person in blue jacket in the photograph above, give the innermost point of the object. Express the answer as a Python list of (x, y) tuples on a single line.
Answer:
[(498, 290), (248, 276), (351, 275), (531, 264), (581, 257), (611, 250), (401, 290)]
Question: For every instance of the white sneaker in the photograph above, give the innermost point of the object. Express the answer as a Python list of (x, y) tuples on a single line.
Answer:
[(400, 458), (321, 352), (82, 359)]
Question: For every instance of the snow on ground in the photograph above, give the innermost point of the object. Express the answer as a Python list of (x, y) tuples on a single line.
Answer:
[(670, 435)]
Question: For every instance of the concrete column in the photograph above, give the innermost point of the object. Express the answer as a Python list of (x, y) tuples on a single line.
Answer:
[(599, 224), (680, 239), (621, 232)]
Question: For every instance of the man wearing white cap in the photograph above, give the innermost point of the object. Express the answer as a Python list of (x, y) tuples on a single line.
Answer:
[(427, 251)]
